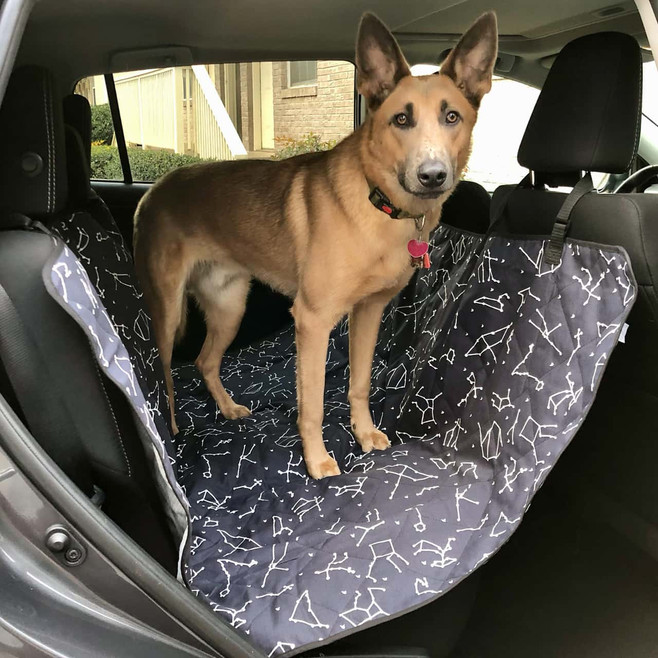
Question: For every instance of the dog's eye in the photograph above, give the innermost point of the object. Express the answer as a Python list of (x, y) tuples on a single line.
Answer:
[(401, 119), (452, 117)]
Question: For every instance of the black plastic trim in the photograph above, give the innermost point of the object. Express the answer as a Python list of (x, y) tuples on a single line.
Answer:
[(118, 128)]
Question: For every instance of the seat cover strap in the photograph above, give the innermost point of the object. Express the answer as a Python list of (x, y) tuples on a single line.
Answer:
[(553, 251)]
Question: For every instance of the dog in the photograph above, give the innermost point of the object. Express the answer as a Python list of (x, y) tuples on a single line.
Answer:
[(333, 230)]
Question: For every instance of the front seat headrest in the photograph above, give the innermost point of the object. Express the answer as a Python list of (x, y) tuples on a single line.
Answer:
[(587, 117), (77, 114), (33, 164), (77, 117)]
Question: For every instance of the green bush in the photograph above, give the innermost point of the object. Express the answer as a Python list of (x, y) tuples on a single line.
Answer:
[(105, 163), (145, 166), (102, 129), (150, 165), (309, 143)]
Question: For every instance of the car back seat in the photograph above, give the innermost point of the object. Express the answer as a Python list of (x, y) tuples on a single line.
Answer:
[(587, 119), (89, 429)]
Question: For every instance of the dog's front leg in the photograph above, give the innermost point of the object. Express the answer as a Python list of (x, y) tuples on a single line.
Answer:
[(364, 322), (312, 336)]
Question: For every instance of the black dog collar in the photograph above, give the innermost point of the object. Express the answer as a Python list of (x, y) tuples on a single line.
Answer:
[(383, 203)]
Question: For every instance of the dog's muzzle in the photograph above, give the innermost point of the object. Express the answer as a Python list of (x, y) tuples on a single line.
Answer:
[(434, 176)]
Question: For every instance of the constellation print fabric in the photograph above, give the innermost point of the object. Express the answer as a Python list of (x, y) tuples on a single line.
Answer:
[(485, 367), (94, 280), (480, 383)]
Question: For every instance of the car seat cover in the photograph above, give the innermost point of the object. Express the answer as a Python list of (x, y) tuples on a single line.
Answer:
[(485, 367)]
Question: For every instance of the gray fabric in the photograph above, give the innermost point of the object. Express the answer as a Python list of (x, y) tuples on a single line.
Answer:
[(483, 373), (68, 283)]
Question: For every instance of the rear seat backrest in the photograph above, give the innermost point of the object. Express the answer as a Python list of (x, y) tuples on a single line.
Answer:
[(96, 440), (588, 118)]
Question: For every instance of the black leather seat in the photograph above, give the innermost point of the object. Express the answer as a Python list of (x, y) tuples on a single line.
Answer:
[(467, 208), (91, 432), (587, 118)]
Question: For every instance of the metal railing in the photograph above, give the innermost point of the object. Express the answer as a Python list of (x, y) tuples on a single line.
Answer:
[(179, 110)]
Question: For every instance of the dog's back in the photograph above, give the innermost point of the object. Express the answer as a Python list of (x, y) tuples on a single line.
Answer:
[(200, 212)]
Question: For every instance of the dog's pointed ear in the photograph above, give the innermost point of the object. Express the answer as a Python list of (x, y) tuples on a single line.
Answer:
[(380, 64), (471, 62)]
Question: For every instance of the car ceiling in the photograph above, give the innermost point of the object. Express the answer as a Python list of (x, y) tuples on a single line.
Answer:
[(82, 37)]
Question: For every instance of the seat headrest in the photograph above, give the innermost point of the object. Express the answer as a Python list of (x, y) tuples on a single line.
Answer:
[(77, 167), (587, 117), (33, 163), (77, 117), (77, 114)]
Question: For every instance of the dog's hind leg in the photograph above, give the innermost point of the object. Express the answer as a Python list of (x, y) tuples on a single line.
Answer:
[(164, 292), (222, 295)]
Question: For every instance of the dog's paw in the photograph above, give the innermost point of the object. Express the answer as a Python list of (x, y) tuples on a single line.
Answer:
[(323, 469), (236, 411), (373, 439)]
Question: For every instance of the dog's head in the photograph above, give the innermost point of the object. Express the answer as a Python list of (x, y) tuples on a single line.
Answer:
[(418, 134)]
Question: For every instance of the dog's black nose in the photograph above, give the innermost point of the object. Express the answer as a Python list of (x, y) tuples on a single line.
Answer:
[(432, 174)]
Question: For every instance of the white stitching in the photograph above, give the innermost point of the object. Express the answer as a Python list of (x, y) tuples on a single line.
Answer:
[(114, 418), (638, 119), (51, 118), (48, 173)]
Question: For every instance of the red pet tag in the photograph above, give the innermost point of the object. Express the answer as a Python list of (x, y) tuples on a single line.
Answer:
[(418, 249)]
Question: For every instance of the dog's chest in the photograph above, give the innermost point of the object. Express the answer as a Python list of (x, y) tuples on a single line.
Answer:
[(386, 267)]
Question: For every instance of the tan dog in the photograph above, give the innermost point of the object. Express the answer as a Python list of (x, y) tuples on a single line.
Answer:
[(307, 227)]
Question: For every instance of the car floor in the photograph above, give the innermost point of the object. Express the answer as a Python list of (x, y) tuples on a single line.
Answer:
[(564, 586)]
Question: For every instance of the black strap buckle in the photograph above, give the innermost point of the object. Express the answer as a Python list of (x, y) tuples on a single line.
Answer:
[(553, 250), (383, 203)]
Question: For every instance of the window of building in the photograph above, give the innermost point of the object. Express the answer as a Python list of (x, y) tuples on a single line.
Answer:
[(302, 73)]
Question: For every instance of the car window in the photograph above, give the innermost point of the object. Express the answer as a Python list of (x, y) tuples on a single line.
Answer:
[(180, 115), (650, 91)]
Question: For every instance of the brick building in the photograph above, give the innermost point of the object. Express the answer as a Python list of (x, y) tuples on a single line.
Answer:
[(282, 101), (267, 105)]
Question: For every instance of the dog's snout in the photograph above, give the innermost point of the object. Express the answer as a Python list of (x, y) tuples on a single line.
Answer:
[(432, 174)]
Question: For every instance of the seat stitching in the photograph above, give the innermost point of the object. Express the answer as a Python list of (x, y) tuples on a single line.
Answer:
[(51, 122), (638, 119), (610, 96), (116, 424), (45, 109)]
